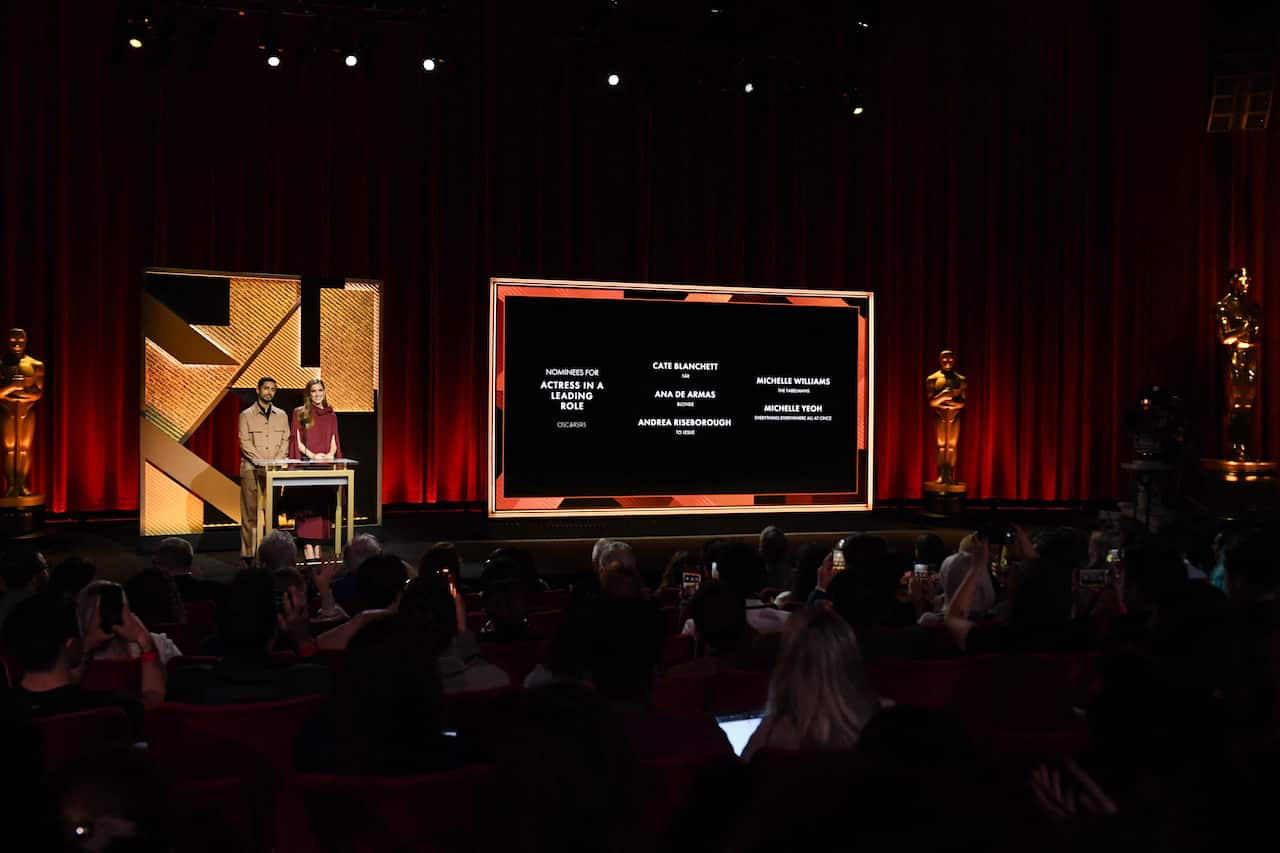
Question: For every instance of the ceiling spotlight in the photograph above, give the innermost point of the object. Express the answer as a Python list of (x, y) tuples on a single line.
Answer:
[(135, 42), (351, 60), (749, 88), (429, 64), (614, 79), (274, 60), (858, 111)]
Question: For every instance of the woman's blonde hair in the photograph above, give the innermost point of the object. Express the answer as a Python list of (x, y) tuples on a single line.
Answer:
[(87, 603), (819, 687), (308, 416)]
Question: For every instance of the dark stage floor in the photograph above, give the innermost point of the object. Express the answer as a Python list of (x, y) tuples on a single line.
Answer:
[(561, 546)]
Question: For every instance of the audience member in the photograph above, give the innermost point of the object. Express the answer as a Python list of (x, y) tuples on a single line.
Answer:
[(249, 628), (523, 558), (380, 581), (566, 780), (505, 602), (155, 598), (44, 641), (102, 642), (930, 551), (345, 587), (805, 576), (723, 637), (277, 551), (438, 621), (625, 646), (673, 573), (441, 557), (25, 572), (72, 575), (176, 558), (775, 552), (739, 567), (952, 573), (819, 697), (387, 715)]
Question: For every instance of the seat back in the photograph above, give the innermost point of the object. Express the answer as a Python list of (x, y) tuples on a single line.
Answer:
[(677, 649), (517, 659), (68, 736), (353, 814), (124, 675), (736, 691), (545, 623), (268, 729)]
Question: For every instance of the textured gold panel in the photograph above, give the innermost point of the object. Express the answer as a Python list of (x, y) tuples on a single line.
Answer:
[(189, 470), (175, 396), (172, 334), (257, 306), (171, 510), (349, 346), (279, 359)]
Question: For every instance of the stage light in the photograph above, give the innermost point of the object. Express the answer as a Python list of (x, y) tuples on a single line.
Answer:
[(351, 60), (858, 111), (274, 60), (428, 64), (135, 42), (614, 79), (749, 88)]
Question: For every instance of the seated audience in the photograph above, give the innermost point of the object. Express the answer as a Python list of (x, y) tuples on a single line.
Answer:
[(1041, 613), (176, 558), (866, 593), (72, 575), (528, 568), (102, 642), (775, 552), (155, 598), (24, 572), (723, 637), (952, 574), (673, 573), (565, 779), (441, 557), (819, 697), (804, 577), (439, 622), (505, 602), (386, 717), (44, 641), (380, 581), (277, 551), (249, 629), (930, 551), (346, 586), (625, 646), (739, 567)]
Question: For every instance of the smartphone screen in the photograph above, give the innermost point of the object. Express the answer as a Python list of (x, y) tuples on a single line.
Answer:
[(837, 559), (739, 728), (1093, 577), (689, 583), (921, 570), (111, 607)]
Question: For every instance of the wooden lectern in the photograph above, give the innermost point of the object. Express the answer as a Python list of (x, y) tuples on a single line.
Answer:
[(339, 473)]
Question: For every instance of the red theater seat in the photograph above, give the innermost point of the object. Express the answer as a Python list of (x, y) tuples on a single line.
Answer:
[(353, 814), (545, 623), (69, 736), (267, 729), (734, 691), (124, 675), (677, 649), (214, 815), (550, 599)]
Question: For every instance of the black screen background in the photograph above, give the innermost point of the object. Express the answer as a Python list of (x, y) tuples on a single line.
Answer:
[(622, 338)]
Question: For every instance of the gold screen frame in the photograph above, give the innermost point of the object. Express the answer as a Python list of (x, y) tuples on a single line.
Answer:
[(188, 368)]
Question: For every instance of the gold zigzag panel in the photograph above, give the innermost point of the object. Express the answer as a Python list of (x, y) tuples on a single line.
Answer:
[(189, 367)]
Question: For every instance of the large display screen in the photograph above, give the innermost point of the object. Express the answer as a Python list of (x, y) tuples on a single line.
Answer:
[(638, 398)]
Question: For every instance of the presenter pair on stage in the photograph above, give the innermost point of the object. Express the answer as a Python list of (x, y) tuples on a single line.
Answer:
[(268, 435)]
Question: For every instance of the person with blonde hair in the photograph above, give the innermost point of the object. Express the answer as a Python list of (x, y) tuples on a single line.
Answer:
[(819, 697)]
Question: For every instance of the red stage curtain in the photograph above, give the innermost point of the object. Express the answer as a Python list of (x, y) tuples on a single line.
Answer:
[(1031, 186)]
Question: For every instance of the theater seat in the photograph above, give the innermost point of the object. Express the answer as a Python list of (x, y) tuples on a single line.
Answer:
[(353, 814), (517, 659), (677, 649), (268, 729), (214, 815), (69, 736), (124, 675)]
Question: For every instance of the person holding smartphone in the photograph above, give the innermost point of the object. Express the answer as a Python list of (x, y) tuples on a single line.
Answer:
[(110, 631)]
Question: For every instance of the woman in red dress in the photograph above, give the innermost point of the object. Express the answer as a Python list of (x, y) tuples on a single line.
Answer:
[(313, 434)]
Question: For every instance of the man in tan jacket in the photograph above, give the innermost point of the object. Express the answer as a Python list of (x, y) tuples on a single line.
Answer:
[(264, 434)]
